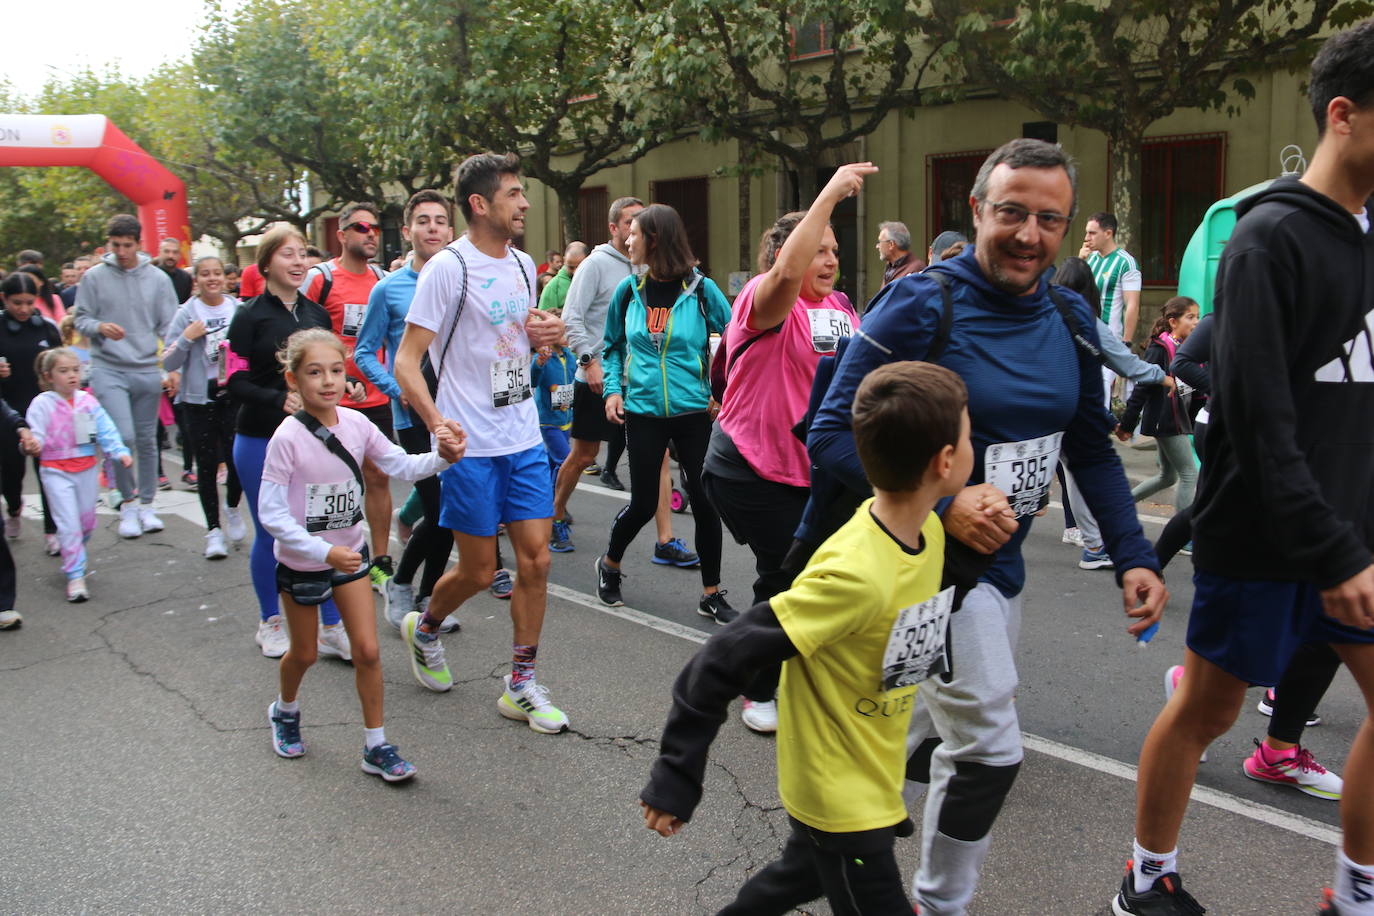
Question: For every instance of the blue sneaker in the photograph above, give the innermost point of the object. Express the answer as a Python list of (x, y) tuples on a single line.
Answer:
[(384, 761), (1095, 559), (1186, 550), (502, 584), (286, 732), (675, 553), (561, 539)]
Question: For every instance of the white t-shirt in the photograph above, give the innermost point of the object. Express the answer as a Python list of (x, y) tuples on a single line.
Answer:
[(1363, 218), (484, 377)]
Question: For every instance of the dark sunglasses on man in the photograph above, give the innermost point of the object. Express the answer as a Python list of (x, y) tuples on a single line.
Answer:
[(364, 227)]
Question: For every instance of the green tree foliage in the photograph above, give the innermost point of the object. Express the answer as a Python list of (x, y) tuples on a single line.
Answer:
[(1119, 66)]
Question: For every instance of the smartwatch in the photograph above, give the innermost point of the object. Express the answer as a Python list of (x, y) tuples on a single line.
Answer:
[(585, 360)]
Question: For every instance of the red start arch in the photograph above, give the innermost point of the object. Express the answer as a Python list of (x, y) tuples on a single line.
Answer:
[(93, 142)]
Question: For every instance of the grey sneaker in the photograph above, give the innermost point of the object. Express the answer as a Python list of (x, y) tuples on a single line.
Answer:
[(397, 601)]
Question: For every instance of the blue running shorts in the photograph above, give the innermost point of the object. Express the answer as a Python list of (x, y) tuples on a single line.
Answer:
[(479, 494)]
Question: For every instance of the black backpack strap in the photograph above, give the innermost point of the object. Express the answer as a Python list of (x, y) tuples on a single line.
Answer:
[(332, 443), (1081, 340), (941, 338)]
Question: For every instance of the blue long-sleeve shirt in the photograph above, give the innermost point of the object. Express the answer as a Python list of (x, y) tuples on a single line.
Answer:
[(382, 327), (1027, 381)]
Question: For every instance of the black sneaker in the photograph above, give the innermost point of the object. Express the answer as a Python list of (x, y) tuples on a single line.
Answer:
[(674, 552), (1266, 707), (717, 608), (608, 584), (381, 572), (608, 479), (1166, 897)]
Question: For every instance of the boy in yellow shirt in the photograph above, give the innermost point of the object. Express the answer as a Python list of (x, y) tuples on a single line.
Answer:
[(859, 628)]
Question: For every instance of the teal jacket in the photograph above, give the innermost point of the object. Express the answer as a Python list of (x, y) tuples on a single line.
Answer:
[(668, 373)]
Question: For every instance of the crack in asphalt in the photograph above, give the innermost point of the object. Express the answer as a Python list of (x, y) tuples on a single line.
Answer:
[(750, 813)]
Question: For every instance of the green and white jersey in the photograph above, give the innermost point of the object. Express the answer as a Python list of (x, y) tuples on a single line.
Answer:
[(1115, 275)]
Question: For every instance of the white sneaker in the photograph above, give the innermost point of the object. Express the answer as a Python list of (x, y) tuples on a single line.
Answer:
[(76, 590), (233, 523), (129, 526), (272, 637), (333, 643), (760, 717), (214, 545), (114, 499), (530, 704), (148, 520), (1072, 536), (52, 545), (397, 601), (10, 619)]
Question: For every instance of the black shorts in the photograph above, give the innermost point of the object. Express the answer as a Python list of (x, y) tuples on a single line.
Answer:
[(317, 586), (381, 418), (589, 416)]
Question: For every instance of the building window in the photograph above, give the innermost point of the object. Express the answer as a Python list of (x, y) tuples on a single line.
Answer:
[(331, 237), (950, 180), (592, 206), (1180, 177)]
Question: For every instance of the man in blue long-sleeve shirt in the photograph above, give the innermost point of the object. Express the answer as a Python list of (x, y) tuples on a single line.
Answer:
[(1033, 391)]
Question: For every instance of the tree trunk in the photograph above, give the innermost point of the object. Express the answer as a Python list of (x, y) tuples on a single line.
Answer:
[(569, 209), (1125, 202), (746, 184)]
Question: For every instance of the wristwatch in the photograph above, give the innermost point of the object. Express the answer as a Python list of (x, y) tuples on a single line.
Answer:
[(585, 360)]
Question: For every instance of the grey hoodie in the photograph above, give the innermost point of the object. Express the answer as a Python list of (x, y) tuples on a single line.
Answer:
[(589, 297), (142, 301)]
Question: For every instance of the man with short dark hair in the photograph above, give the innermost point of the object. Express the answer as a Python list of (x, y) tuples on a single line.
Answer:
[(1283, 525), (123, 307), (894, 247), (68, 276), (1118, 285), (1027, 352), (30, 256), (81, 264), (168, 257), (556, 292)]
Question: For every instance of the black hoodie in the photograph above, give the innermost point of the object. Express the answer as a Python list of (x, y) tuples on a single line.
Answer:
[(1288, 489)]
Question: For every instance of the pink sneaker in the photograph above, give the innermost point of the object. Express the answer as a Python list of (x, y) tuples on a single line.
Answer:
[(1171, 679), (1295, 768)]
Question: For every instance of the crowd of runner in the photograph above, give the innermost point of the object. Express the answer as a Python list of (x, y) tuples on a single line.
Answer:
[(883, 466)]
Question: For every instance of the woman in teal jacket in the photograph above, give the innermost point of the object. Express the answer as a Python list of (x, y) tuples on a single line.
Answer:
[(657, 362)]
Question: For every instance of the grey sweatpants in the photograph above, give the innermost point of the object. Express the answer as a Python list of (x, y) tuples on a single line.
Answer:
[(972, 769), (130, 398)]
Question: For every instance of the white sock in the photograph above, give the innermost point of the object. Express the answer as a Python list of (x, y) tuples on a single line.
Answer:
[(1354, 886), (1148, 866), (290, 708), (373, 737)]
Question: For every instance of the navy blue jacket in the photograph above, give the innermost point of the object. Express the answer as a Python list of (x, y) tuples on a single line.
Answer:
[(1026, 379)]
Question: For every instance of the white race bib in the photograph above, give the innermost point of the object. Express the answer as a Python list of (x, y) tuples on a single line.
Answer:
[(331, 506), (828, 326), (562, 397), (510, 381), (1023, 471), (916, 648), (352, 319), (83, 428)]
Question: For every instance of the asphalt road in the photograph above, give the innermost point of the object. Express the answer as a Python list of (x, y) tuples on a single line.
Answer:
[(136, 774)]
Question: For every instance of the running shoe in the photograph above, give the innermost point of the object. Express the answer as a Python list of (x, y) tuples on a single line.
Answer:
[(397, 601), (717, 608), (148, 520), (12, 523), (129, 526), (1171, 679), (286, 732), (502, 584), (1328, 907), (1266, 707), (272, 637), (1298, 770), (426, 656), (333, 643), (561, 539), (610, 480), (451, 624), (608, 584), (77, 591), (674, 552), (115, 499), (760, 717), (1186, 550), (233, 523), (381, 571), (1166, 897), (51, 545), (384, 761), (188, 478), (531, 704), (1073, 536), (163, 483), (9, 620), (591, 470), (1095, 559), (215, 548)]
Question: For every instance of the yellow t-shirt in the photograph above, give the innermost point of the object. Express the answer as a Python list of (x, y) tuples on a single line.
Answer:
[(841, 733)]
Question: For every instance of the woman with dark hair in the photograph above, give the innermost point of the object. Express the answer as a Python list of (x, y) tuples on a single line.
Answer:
[(657, 359), (48, 302), (785, 319)]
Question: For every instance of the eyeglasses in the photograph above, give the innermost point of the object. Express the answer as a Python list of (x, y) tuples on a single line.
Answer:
[(364, 227), (1009, 215)]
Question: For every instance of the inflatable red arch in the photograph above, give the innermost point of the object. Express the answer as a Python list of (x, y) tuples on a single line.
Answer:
[(92, 141)]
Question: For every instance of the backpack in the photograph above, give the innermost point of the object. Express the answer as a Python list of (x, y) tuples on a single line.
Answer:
[(326, 270)]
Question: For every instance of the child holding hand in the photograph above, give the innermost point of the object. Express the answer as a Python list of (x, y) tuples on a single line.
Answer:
[(311, 503)]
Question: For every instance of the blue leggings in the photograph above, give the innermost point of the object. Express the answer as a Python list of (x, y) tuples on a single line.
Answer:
[(249, 454)]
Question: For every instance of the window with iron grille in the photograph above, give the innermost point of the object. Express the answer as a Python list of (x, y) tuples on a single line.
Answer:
[(950, 181), (1180, 177), (593, 206)]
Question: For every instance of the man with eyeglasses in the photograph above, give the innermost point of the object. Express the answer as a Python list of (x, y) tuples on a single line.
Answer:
[(894, 247), (343, 286), (1027, 353)]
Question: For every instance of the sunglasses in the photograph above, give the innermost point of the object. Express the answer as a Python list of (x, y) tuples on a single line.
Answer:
[(364, 227)]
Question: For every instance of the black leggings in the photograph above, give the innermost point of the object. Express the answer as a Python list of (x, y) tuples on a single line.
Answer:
[(764, 515), (1304, 683), (12, 469), (646, 439), (615, 447), (429, 543), (211, 430)]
